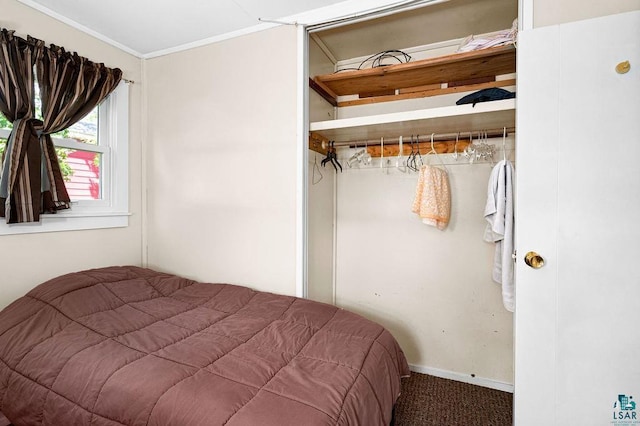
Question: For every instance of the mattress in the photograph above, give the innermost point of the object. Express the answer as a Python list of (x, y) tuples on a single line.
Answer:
[(133, 346)]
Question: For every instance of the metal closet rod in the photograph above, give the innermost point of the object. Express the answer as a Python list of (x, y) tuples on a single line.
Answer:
[(438, 137)]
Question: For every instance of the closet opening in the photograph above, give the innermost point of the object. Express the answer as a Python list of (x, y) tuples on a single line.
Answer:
[(383, 102)]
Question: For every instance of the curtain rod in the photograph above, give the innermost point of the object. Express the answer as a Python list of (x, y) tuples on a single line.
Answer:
[(437, 137)]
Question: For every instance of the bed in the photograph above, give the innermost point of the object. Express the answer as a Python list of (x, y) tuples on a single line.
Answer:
[(133, 346)]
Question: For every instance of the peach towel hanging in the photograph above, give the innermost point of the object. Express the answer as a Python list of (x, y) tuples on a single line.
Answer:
[(432, 202)]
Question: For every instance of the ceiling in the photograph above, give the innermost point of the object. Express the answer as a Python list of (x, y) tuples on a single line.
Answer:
[(148, 28)]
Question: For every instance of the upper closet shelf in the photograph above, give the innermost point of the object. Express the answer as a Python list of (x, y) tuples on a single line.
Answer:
[(449, 119), (457, 72)]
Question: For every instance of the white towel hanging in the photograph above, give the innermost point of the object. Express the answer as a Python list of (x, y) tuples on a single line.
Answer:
[(499, 214)]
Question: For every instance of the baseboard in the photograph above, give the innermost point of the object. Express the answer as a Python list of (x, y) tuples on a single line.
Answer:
[(465, 378)]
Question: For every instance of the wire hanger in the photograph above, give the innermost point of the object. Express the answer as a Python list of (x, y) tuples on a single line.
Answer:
[(411, 158), (315, 168)]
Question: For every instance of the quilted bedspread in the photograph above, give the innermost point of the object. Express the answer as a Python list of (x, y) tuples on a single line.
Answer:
[(131, 346)]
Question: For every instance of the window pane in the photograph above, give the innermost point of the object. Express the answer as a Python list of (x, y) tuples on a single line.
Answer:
[(3, 144), (82, 173), (85, 130)]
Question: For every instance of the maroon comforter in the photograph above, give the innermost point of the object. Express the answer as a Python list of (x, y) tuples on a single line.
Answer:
[(131, 346)]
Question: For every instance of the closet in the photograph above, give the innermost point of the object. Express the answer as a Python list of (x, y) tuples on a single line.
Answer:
[(367, 251)]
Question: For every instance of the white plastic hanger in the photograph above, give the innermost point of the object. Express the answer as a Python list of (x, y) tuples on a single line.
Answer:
[(382, 155), (366, 157), (470, 150), (399, 165), (433, 151), (504, 144), (455, 147)]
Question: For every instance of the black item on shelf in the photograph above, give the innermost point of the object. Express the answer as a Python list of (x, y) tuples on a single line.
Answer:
[(484, 95)]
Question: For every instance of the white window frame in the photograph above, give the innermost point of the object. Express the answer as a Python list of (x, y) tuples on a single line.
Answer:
[(112, 210)]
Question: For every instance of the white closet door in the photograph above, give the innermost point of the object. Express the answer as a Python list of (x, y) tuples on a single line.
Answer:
[(577, 336)]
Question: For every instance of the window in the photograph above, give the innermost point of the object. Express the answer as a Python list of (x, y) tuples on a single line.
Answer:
[(93, 155)]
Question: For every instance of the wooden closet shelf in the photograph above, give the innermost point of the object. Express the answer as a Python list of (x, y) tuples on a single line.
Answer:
[(459, 70)]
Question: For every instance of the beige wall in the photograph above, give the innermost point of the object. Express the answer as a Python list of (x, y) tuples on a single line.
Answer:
[(222, 161), (551, 12), (27, 260), (432, 289), (320, 211)]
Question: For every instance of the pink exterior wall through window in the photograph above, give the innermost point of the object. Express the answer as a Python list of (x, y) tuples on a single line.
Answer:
[(84, 183)]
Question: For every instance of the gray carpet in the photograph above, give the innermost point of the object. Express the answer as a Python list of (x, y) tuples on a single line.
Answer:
[(428, 400)]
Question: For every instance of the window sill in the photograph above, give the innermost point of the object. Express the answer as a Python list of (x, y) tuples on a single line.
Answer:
[(68, 221)]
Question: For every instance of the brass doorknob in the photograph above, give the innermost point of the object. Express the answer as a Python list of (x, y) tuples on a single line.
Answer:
[(623, 67), (534, 260)]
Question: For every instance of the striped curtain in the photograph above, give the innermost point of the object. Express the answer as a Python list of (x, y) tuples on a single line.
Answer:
[(70, 87), (21, 158), (16, 76)]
